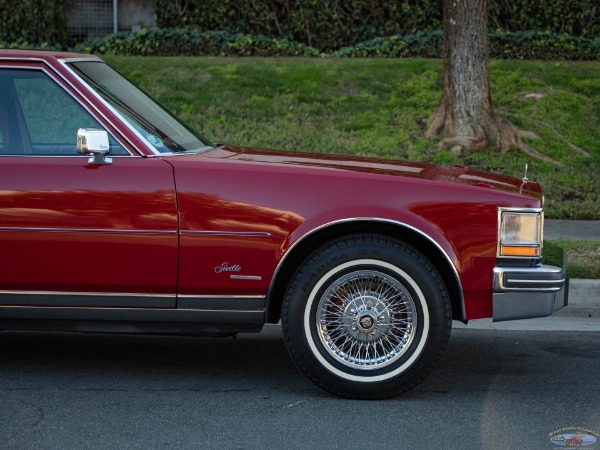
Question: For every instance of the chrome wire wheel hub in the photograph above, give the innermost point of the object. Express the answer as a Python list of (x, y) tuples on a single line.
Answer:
[(366, 319)]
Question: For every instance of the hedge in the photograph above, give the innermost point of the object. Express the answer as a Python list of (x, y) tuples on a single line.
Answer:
[(522, 45), (333, 24), (189, 42), (293, 27), (34, 21), (423, 44), (323, 24)]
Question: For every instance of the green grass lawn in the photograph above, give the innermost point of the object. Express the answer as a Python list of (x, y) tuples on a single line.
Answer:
[(379, 107), (583, 257)]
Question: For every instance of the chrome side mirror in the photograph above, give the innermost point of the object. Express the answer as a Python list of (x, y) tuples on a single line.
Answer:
[(95, 142)]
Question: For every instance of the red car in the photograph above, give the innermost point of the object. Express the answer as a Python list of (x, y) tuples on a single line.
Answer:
[(114, 217)]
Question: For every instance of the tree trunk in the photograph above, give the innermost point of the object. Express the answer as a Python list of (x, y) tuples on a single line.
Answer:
[(465, 113)]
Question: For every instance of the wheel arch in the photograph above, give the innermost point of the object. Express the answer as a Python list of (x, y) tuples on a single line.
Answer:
[(321, 235)]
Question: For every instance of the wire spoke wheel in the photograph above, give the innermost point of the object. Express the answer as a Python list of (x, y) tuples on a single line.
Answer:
[(366, 316), (366, 320)]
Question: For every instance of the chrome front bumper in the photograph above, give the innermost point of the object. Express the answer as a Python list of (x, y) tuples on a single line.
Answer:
[(525, 293)]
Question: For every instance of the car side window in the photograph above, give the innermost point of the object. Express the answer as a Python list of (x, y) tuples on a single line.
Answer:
[(1, 132), (46, 116)]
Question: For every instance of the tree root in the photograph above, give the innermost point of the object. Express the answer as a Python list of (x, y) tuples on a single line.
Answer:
[(495, 129), (537, 155), (553, 130)]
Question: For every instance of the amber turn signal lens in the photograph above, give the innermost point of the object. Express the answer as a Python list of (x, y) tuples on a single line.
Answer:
[(519, 251)]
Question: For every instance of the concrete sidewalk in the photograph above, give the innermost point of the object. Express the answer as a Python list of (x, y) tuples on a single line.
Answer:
[(559, 321)]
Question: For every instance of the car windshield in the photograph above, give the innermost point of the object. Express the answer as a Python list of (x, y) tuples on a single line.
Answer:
[(152, 121)]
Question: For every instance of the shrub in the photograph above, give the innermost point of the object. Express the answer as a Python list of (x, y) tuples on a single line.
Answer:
[(191, 42), (332, 24), (421, 44), (325, 25), (542, 45), (572, 17), (33, 21), (521, 45)]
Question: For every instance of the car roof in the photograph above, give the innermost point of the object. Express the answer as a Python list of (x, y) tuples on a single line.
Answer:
[(41, 54)]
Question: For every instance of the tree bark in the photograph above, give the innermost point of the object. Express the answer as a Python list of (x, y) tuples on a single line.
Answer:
[(465, 113)]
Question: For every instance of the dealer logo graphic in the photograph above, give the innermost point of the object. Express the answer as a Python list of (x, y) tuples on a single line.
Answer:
[(573, 437)]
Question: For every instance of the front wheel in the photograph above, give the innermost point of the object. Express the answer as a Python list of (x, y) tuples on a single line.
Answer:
[(366, 316)]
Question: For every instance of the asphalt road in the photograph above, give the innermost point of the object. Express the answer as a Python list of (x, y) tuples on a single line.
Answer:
[(494, 389)]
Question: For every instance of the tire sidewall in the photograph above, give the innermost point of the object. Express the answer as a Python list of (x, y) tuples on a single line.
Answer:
[(407, 266), (365, 375)]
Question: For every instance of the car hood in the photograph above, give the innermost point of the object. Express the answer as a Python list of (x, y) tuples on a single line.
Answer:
[(408, 169)]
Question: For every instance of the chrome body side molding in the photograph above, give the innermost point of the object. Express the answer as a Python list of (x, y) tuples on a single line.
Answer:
[(225, 233), (196, 315), (87, 230), (221, 303), (85, 299)]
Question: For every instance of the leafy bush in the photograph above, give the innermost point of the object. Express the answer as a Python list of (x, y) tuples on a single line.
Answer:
[(24, 45), (421, 44), (325, 25), (191, 42), (573, 17), (33, 21), (521, 45), (542, 45), (332, 24)]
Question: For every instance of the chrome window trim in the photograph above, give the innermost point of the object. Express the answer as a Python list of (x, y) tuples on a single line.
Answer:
[(65, 63), (370, 219), (91, 58), (100, 113), (45, 61), (52, 76), (502, 209), (20, 58), (64, 156)]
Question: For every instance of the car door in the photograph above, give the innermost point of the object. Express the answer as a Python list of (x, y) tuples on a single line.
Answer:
[(74, 233)]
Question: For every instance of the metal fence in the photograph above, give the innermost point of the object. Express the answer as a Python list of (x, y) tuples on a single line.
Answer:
[(88, 19)]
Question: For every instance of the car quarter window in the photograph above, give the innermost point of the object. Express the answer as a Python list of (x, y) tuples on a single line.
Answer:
[(38, 117)]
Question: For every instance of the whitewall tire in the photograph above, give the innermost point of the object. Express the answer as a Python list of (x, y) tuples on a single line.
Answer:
[(366, 316)]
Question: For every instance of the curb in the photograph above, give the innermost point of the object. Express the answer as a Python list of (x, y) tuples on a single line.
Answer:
[(584, 293), (584, 299)]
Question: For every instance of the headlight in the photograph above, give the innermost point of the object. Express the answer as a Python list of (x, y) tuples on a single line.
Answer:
[(520, 232)]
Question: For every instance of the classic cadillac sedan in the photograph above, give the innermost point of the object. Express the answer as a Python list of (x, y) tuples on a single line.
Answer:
[(116, 218)]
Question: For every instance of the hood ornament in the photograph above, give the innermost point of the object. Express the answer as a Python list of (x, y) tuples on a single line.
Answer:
[(525, 179)]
